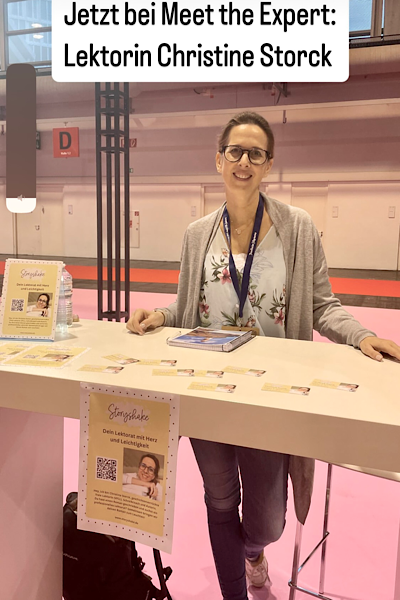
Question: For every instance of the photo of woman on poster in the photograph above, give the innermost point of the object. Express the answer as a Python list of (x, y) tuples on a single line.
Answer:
[(39, 305), (145, 481)]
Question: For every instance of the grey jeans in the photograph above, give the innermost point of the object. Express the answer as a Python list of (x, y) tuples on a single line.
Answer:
[(262, 476)]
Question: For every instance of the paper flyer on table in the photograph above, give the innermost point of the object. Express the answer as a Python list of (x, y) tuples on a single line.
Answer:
[(46, 356), (30, 299), (127, 466), (11, 349)]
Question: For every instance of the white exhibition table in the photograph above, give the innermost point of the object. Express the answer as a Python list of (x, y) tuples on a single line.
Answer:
[(361, 428)]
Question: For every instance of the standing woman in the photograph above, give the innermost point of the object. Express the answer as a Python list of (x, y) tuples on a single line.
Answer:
[(254, 262)]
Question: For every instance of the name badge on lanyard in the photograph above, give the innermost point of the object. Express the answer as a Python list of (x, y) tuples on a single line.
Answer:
[(242, 291)]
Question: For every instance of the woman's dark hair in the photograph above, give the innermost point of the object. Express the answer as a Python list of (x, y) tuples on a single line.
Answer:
[(247, 118), (156, 462), (47, 296)]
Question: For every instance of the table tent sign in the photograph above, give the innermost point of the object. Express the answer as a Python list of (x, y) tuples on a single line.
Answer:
[(29, 301), (127, 465)]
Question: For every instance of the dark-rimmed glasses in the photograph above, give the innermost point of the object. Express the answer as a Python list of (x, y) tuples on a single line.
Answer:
[(145, 467), (257, 156)]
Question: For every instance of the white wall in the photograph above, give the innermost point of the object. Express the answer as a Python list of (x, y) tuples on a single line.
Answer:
[(6, 224), (41, 232), (280, 191), (214, 195), (80, 228), (352, 154), (49, 202), (363, 237), (165, 212), (313, 199)]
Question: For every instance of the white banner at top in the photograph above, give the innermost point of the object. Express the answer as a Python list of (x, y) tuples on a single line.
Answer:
[(200, 40)]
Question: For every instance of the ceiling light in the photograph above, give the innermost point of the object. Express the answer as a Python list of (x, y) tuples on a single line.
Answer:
[(36, 25), (38, 36)]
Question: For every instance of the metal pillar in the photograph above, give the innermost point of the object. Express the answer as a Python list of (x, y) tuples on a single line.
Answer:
[(112, 108)]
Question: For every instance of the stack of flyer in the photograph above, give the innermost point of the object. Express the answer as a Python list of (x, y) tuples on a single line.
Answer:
[(218, 340)]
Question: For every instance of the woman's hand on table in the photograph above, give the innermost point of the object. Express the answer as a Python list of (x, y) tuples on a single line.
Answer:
[(142, 320), (373, 347)]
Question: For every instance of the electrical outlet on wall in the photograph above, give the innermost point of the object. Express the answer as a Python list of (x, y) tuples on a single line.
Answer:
[(335, 212), (193, 211), (392, 212)]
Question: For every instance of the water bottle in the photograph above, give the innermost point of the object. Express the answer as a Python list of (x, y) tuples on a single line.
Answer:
[(62, 326), (68, 296)]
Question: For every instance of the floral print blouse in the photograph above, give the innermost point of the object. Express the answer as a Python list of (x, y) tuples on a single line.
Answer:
[(265, 304)]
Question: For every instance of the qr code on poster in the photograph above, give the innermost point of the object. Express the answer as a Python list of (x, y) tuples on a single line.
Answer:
[(106, 468), (17, 305)]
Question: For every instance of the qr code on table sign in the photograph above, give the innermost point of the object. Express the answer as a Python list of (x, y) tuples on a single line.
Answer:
[(106, 468), (17, 305)]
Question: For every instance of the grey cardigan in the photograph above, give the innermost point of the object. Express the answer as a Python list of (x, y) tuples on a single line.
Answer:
[(310, 303)]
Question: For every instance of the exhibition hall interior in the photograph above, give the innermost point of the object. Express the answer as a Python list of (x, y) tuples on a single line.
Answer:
[(337, 157)]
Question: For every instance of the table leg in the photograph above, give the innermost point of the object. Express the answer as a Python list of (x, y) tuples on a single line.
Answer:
[(31, 478)]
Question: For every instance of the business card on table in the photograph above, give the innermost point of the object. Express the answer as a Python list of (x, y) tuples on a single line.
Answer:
[(165, 372), (187, 373), (226, 388), (244, 371), (157, 363), (335, 385), (121, 359), (216, 374), (286, 389), (111, 369)]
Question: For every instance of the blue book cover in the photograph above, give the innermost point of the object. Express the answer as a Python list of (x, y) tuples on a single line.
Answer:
[(203, 338)]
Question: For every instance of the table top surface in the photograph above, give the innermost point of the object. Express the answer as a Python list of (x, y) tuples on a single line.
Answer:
[(333, 425), (288, 362)]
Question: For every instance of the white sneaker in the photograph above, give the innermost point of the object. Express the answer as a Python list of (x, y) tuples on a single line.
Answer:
[(257, 572)]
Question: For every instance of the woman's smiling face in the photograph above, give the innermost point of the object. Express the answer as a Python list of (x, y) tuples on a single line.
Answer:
[(42, 302), (146, 471), (243, 175)]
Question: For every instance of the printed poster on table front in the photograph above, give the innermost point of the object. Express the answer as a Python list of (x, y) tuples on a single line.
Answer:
[(127, 465), (30, 299)]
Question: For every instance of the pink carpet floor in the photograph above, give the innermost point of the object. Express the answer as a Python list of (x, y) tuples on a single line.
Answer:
[(364, 522)]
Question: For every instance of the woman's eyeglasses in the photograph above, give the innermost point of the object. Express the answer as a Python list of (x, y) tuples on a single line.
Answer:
[(147, 468), (257, 156)]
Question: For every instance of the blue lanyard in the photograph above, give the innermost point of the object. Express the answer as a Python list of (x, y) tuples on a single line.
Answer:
[(242, 290)]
